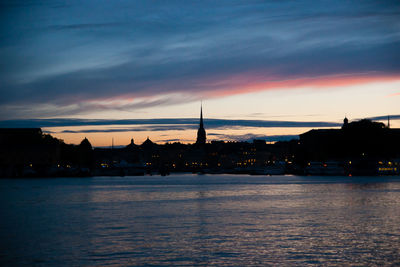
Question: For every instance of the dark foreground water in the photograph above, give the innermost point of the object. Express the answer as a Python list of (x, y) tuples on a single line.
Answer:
[(200, 220)]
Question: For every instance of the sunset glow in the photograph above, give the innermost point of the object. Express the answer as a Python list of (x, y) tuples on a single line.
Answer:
[(265, 61)]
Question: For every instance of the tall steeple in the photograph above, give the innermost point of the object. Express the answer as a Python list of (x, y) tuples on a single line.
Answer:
[(201, 133), (201, 116)]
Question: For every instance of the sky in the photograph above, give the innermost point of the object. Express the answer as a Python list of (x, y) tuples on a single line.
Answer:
[(262, 69)]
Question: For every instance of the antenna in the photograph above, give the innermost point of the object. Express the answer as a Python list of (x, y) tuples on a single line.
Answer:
[(388, 122)]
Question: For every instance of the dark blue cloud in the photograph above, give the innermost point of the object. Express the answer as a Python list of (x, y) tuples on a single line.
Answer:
[(384, 118), (188, 123), (167, 124), (61, 54), (133, 129), (176, 124)]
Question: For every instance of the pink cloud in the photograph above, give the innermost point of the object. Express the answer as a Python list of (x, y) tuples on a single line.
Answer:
[(247, 84), (176, 92), (395, 94)]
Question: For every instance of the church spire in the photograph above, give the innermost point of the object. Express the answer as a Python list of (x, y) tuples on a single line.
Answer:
[(201, 116), (201, 133)]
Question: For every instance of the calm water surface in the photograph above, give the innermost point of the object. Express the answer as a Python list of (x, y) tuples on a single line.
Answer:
[(200, 220)]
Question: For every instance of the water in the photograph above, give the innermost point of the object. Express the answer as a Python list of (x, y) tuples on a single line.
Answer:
[(200, 220)]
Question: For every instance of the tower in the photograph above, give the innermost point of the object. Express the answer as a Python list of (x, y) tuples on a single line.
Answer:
[(345, 122), (201, 133)]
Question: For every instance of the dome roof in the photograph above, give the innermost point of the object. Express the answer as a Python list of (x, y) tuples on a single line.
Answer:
[(85, 144)]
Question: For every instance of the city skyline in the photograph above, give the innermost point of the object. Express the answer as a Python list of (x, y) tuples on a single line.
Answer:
[(81, 129)]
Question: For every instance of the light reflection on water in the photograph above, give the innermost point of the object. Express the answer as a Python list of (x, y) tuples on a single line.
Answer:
[(200, 220)]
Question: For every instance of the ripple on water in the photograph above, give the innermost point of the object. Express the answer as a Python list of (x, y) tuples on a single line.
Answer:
[(207, 220)]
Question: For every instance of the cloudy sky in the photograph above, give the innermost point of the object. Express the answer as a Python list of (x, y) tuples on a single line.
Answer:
[(262, 68)]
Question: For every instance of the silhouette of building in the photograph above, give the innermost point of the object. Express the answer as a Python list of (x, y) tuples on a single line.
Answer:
[(345, 122), (85, 153), (201, 133), (147, 143), (26, 148), (85, 144), (357, 139)]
